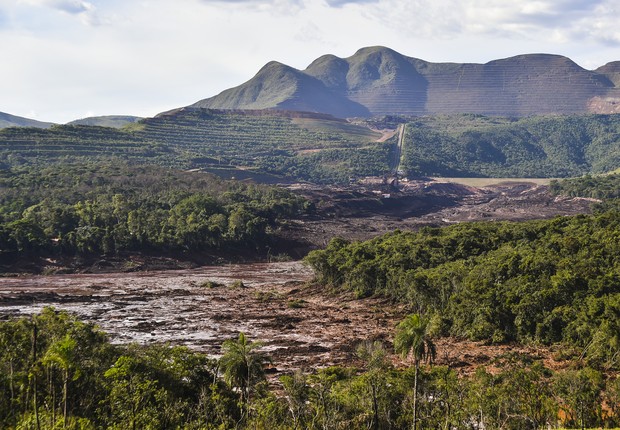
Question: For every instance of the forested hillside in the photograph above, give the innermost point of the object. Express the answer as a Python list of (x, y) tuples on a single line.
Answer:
[(597, 187), (95, 209), (479, 146), (544, 281), (322, 149)]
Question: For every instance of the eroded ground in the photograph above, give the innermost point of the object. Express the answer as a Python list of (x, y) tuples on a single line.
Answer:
[(364, 212)]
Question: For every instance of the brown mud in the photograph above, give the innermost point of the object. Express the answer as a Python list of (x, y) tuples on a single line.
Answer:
[(303, 326), (374, 209)]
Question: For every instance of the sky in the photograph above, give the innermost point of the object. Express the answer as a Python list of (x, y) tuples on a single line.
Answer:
[(69, 59)]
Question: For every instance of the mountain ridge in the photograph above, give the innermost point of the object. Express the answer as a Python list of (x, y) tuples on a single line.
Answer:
[(8, 120), (380, 81)]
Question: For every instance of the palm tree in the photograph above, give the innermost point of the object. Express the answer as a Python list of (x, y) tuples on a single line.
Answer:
[(413, 338), (243, 366), (62, 353)]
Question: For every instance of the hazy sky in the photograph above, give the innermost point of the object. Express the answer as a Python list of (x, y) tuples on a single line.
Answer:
[(68, 59)]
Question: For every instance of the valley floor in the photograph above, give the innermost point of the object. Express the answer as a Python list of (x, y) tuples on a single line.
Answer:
[(303, 326)]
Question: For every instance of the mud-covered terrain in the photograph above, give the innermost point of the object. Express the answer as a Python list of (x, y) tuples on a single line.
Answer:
[(367, 211), (303, 326)]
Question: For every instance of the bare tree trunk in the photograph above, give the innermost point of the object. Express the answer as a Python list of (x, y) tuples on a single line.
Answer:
[(34, 377), (65, 387), (375, 408), (415, 396)]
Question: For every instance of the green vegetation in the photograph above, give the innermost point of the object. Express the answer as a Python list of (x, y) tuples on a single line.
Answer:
[(322, 149), (542, 281), (597, 187), (95, 209), (480, 146), (413, 338), (315, 148), (57, 372)]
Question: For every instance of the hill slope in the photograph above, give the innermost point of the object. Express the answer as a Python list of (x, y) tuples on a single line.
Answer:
[(546, 146), (7, 120), (294, 145), (380, 81)]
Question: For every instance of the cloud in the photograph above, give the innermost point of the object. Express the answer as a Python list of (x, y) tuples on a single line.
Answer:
[(275, 7), (340, 3), (539, 20), (86, 11)]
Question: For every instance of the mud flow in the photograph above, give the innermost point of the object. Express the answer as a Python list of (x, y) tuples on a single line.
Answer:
[(301, 326)]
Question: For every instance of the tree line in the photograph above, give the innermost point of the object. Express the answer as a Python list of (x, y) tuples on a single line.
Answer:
[(97, 209), (550, 281), (61, 373)]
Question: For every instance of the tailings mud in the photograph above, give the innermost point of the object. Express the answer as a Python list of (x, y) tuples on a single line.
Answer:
[(301, 326)]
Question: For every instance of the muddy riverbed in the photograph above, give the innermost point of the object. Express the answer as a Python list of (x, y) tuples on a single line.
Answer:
[(302, 326)]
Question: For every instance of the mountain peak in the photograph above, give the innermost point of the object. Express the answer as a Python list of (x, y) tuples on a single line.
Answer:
[(377, 80), (369, 50)]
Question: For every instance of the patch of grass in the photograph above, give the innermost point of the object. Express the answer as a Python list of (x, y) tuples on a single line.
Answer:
[(266, 296), (296, 303), (210, 284), (280, 258), (238, 284)]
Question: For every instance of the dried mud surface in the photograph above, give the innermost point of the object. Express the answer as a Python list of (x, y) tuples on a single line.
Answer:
[(365, 212), (302, 327)]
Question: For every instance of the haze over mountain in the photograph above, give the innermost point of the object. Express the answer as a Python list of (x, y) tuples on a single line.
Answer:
[(8, 120), (380, 81)]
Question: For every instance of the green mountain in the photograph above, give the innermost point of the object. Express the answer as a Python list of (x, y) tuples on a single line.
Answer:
[(114, 121), (544, 146), (240, 144), (7, 120), (380, 81), (278, 146)]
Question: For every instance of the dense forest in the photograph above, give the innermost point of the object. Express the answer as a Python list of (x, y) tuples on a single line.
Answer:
[(96, 209), (602, 187), (552, 281), (57, 372), (481, 146)]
